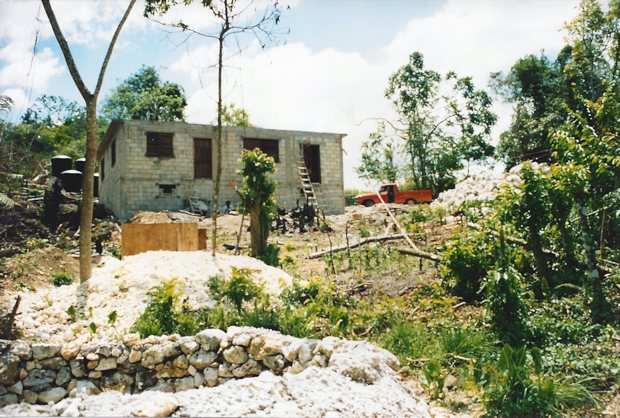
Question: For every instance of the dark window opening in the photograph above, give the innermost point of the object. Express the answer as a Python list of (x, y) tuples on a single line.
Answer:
[(203, 167), (159, 144), (268, 146), (102, 168), (312, 158), (113, 151), (167, 189)]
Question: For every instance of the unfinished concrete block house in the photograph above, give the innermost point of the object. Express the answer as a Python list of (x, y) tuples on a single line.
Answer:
[(145, 165)]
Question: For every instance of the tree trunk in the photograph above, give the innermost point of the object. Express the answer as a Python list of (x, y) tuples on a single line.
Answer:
[(599, 307), (540, 258), (257, 233), (90, 99), (568, 246), (86, 210), (218, 175)]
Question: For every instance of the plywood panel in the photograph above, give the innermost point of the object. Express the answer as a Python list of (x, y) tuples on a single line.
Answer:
[(138, 238), (202, 238)]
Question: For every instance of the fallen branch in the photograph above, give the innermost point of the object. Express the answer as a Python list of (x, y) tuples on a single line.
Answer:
[(419, 253), (361, 242)]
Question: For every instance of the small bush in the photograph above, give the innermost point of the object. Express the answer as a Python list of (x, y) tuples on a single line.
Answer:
[(270, 255), (435, 378), (515, 389), (474, 344), (166, 313), (238, 289), (506, 306), (467, 259), (61, 279), (299, 294)]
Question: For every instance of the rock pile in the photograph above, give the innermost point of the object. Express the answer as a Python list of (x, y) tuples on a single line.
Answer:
[(119, 288), (44, 373), (482, 186)]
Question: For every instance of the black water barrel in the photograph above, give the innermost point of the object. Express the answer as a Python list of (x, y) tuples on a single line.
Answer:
[(80, 164), (96, 185), (71, 180), (61, 163)]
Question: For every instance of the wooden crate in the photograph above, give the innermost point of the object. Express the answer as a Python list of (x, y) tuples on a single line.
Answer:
[(138, 238)]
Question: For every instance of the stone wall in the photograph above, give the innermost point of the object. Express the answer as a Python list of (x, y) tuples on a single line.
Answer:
[(43, 373), (133, 183)]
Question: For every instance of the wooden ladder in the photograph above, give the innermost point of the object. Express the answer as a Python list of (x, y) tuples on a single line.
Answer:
[(306, 183)]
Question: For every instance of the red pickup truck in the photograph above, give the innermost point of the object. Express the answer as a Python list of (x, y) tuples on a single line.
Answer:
[(390, 194)]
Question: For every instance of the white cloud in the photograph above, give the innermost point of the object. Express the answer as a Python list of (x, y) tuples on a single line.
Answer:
[(293, 87), (20, 102)]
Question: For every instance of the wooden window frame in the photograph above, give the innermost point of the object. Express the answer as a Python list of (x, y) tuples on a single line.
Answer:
[(271, 147), (206, 170), (160, 144)]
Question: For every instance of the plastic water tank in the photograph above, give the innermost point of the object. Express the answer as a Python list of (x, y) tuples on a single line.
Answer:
[(61, 163), (80, 164), (71, 180)]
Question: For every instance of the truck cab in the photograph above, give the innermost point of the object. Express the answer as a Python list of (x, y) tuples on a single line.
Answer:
[(391, 194)]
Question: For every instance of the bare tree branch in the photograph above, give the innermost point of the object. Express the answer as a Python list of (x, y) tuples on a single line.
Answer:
[(108, 54), (66, 52)]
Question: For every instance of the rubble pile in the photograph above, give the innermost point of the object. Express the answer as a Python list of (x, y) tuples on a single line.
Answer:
[(121, 286), (482, 186)]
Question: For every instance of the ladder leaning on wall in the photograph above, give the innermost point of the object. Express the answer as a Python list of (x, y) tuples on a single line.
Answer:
[(306, 183)]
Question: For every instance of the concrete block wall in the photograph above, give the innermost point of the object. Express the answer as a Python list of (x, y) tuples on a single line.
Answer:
[(132, 185)]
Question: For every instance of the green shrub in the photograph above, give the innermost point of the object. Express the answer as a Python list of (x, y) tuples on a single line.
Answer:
[(516, 390), (270, 255), (410, 341), (238, 289), (474, 344), (116, 251), (299, 294), (435, 378), (467, 258), (61, 279), (166, 313), (506, 306)]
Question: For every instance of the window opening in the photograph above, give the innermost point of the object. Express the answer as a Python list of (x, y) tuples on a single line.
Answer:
[(268, 146), (167, 189), (203, 157), (159, 144)]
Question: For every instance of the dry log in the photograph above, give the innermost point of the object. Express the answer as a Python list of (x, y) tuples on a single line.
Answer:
[(359, 243), (421, 254)]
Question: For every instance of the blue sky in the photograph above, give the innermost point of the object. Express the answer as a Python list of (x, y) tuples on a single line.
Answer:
[(328, 74)]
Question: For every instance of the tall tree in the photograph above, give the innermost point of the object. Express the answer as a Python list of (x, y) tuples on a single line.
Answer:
[(235, 116), (570, 110), (228, 14), (534, 84), (90, 99), (439, 133), (257, 192), (144, 96)]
